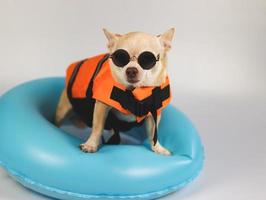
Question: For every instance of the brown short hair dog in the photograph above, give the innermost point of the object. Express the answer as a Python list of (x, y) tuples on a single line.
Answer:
[(132, 64)]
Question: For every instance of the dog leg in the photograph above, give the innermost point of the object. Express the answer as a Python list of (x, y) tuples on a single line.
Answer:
[(99, 116), (150, 126), (63, 108)]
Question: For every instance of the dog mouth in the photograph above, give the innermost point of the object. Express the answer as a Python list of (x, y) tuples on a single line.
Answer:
[(132, 80)]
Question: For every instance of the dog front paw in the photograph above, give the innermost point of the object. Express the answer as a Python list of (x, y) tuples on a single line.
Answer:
[(89, 147), (158, 148)]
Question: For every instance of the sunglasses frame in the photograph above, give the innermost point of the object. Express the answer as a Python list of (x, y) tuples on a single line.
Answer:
[(132, 58)]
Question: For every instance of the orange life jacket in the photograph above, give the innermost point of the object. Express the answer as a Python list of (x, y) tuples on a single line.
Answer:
[(91, 79)]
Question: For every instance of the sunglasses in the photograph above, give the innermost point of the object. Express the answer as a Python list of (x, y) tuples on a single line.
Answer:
[(146, 59)]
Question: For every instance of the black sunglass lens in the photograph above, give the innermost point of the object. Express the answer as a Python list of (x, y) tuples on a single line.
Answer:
[(120, 58), (147, 60)]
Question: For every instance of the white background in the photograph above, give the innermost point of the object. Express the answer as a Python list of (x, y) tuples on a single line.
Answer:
[(217, 68)]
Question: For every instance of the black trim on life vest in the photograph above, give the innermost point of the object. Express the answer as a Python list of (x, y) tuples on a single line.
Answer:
[(72, 79), (155, 136), (97, 70), (143, 107)]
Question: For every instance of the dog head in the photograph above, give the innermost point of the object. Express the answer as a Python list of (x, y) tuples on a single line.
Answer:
[(139, 59)]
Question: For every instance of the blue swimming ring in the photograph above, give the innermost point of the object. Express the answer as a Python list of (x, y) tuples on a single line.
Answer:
[(46, 159)]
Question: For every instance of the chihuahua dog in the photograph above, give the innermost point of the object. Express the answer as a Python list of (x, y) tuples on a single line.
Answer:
[(131, 75)]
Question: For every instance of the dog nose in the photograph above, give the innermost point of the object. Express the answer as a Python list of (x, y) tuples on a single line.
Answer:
[(131, 72)]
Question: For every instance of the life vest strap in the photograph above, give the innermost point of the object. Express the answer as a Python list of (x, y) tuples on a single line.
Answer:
[(155, 136), (72, 79), (97, 70), (143, 107)]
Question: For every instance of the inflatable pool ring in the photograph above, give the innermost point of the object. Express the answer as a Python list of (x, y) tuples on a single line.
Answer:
[(47, 160)]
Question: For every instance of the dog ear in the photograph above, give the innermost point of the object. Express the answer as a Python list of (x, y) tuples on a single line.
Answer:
[(111, 37), (166, 38)]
